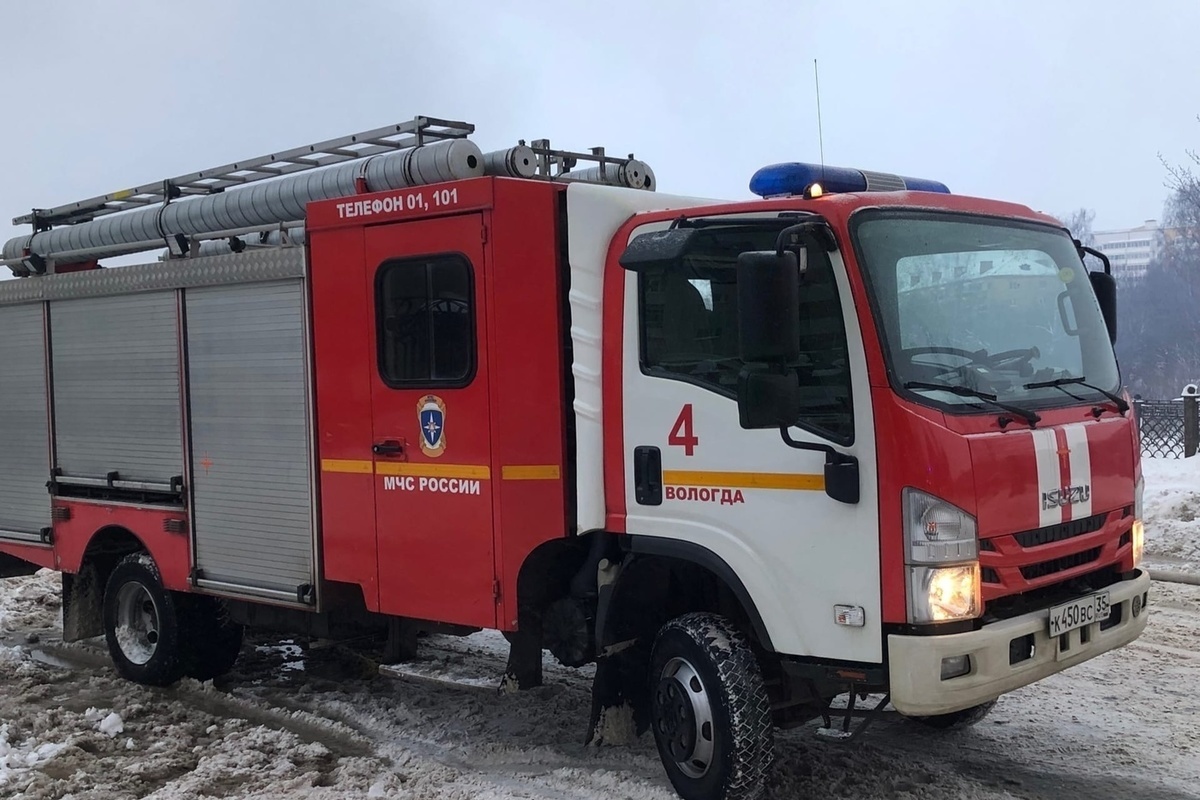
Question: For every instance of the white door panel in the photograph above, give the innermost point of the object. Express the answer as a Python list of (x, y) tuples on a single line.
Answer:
[(760, 505)]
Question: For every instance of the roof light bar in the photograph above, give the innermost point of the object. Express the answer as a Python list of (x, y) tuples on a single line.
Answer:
[(796, 178)]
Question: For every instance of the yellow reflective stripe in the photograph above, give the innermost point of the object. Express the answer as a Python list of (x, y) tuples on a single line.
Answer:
[(401, 468), (424, 470), (346, 465), (744, 480), (531, 472)]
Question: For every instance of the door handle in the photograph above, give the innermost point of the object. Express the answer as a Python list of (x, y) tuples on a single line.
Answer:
[(389, 447), (647, 475)]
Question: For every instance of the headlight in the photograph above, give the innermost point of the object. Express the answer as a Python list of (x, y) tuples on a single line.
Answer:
[(942, 551), (1138, 534), (941, 594), (936, 532)]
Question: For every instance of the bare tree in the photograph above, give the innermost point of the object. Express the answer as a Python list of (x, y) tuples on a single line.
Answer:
[(1159, 345), (1079, 222)]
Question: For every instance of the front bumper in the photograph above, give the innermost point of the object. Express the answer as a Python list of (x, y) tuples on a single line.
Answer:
[(915, 666)]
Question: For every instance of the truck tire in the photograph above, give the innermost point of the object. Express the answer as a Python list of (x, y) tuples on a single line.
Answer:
[(957, 720), (141, 623), (212, 641), (709, 710)]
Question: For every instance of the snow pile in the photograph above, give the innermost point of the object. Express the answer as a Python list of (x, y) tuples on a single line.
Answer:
[(30, 602), (291, 653), (18, 757), (111, 725), (57, 740), (1172, 510)]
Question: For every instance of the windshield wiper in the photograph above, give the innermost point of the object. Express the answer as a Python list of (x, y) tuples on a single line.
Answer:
[(966, 391), (1059, 383)]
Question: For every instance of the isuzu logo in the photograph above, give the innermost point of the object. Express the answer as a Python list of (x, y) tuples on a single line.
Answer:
[(1066, 496)]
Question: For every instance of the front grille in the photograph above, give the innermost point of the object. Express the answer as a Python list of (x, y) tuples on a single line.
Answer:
[(1061, 532), (1019, 564), (1035, 571)]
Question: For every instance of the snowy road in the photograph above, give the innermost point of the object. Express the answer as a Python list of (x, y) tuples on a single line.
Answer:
[(312, 722)]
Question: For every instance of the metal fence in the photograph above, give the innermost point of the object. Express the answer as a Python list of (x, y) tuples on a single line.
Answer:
[(1161, 425), (1168, 427)]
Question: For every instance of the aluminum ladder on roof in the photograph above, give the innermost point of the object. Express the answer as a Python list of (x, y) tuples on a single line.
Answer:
[(417, 132)]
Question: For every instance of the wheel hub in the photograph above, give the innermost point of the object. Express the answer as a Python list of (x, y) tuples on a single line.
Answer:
[(137, 628), (683, 717)]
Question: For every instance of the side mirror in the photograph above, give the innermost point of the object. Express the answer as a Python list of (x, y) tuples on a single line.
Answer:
[(768, 399), (842, 479), (768, 296), (1105, 287)]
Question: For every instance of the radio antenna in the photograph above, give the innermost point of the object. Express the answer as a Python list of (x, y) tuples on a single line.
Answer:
[(820, 132)]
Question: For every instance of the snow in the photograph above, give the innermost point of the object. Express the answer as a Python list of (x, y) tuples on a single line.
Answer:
[(31, 603), (311, 719), (111, 725), (18, 757), (1172, 512), (334, 732)]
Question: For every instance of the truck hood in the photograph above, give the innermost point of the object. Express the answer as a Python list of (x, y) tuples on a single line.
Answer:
[(1029, 479)]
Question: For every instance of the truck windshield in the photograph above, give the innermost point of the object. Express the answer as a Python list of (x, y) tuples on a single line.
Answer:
[(990, 305)]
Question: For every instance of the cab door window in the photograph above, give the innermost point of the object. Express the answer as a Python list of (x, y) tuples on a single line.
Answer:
[(689, 318)]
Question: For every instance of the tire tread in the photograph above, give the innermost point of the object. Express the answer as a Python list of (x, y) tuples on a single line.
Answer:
[(957, 720), (741, 682)]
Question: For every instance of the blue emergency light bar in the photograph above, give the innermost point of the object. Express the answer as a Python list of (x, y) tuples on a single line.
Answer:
[(796, 178)]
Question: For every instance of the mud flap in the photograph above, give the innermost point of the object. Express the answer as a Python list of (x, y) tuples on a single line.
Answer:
[(620, 695), (524, 669), (82, 604)]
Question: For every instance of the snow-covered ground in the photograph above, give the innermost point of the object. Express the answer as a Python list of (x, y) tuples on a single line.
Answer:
[(300, 719), (1172, 507)]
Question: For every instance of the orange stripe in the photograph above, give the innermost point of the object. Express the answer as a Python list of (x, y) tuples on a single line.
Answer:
[(346, 465), (423, 470), (744, 480), (530, 472)]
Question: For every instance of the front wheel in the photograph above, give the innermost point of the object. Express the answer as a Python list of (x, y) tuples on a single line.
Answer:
[(709, 710), (957, 720)]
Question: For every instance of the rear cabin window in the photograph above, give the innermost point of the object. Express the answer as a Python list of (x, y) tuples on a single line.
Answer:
[(426, 318)]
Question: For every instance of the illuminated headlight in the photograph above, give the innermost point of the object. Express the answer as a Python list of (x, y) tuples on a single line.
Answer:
[(936, 532), (943, 594), (942, 552), (1138, 534)]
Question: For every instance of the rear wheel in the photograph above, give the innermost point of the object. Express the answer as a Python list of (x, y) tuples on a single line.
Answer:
[(709, 710), (141, 623), (956, 720), (212, 640)]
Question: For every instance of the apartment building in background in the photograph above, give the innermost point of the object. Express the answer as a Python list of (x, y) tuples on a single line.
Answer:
[(1130, 249)]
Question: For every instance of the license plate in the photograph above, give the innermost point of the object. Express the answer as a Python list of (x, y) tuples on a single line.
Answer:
[(1077, 613)]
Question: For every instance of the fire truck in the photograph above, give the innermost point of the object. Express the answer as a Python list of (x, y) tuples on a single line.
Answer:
[(857, 437)]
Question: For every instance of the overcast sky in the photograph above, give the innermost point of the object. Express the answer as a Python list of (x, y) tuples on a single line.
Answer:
[(1053, 104)]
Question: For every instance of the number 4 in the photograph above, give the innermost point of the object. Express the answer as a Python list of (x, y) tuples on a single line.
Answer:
[(682, 434)]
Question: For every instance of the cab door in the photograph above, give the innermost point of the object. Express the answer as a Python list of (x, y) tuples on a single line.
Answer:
[(431, 420), (705, 488)]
